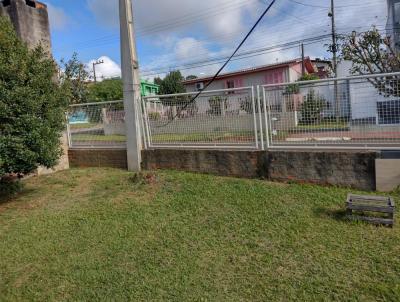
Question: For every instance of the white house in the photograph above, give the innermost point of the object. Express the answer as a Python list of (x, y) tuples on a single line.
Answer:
[(366, 104)]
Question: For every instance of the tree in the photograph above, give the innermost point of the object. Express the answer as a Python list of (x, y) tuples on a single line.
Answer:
[(191, 77), (107, 90), (74, 74), (312, 107), (32, 106), (172, 83), (371, 53)]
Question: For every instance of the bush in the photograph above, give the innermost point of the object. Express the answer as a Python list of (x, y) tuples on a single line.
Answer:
[(312, 108), (32, 106)]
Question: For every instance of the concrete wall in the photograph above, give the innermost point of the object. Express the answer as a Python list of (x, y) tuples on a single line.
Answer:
[(339, 168), (30, 23), (348, 169), (84, 158)]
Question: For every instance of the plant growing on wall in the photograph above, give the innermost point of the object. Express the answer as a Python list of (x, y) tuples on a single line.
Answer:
[(370, 53), (312, 107), (32, 106)]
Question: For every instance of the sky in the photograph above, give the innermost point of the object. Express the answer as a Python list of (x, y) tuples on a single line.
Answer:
[(196, 36)]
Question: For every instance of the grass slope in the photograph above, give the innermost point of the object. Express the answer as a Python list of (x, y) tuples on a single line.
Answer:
[(96, 235)]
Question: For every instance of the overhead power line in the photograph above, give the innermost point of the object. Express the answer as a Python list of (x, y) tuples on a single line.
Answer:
[(229, 59)]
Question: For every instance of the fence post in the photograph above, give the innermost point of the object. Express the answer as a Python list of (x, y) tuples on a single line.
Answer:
[(260, 118), (254, 116), (266, 119), (68, 131)]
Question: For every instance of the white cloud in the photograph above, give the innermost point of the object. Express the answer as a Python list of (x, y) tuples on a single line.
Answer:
[(178, 28), (106, 12), (57, 17), (109, 69)]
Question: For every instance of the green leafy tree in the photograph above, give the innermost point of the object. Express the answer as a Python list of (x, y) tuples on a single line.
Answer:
[(75, 75), (32, 106), (370, 52), (191, 77), (312, 107), (172, 83), (107, 90)]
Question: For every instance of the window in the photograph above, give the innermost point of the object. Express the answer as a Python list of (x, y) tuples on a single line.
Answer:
[(230, 84), (389, 112), (199, 86), (396, 13)]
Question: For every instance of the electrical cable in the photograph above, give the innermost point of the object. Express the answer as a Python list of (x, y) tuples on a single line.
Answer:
[(226, 63)]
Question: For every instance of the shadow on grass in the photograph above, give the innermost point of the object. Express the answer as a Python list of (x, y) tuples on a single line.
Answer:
[(339, 215), (10, 190)]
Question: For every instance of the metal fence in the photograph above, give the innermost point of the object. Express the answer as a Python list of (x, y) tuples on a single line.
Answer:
[(347, 113), (358, 112), (225, 118), (95, 125)]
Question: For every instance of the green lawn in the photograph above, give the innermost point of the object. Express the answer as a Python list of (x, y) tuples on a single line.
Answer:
[(98, 138), (96, 235), (325, 125), (84, 125)]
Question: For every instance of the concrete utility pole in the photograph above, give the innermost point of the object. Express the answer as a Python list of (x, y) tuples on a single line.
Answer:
[(334, 60), (94, 69), (130, 76)]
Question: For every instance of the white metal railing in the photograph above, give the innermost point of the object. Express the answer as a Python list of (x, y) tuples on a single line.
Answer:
[(356, 112), (225, 118), (344, 113), (97, 125)]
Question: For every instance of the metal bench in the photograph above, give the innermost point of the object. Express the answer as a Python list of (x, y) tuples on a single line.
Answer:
[(368, 204)]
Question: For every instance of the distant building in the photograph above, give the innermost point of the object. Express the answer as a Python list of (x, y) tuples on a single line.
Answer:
[(393, 22), (30, 19), (148, 89), (289, 71)]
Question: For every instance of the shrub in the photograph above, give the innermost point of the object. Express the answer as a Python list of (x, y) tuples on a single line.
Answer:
[(312, 108), (32, 106), (154, 116)]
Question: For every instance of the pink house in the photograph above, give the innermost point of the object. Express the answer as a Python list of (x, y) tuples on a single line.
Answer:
[(289, 71)]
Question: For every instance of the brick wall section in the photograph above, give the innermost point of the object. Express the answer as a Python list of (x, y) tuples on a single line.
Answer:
[(110, 158), (340, 168)]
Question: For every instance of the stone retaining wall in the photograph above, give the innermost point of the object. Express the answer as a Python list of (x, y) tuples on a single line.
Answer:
[(340, 168)]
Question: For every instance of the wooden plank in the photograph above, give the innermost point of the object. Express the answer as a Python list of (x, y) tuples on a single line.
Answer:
[(367, 198), (374, 220), (369, 208)]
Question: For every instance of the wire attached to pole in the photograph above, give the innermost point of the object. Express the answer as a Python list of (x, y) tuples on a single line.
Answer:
[(224, 65)]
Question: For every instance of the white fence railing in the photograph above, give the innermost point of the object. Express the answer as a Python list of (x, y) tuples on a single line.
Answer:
[(223, 118), (357, 112), (348, 113), (97, 125)]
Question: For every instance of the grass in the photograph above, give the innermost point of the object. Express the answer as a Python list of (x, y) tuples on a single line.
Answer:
[(342, 125), (83, 126), (98, 235), (98, 138), (243, 136)]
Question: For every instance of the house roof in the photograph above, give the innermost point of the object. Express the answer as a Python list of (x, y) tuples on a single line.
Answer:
[(308, 64)]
